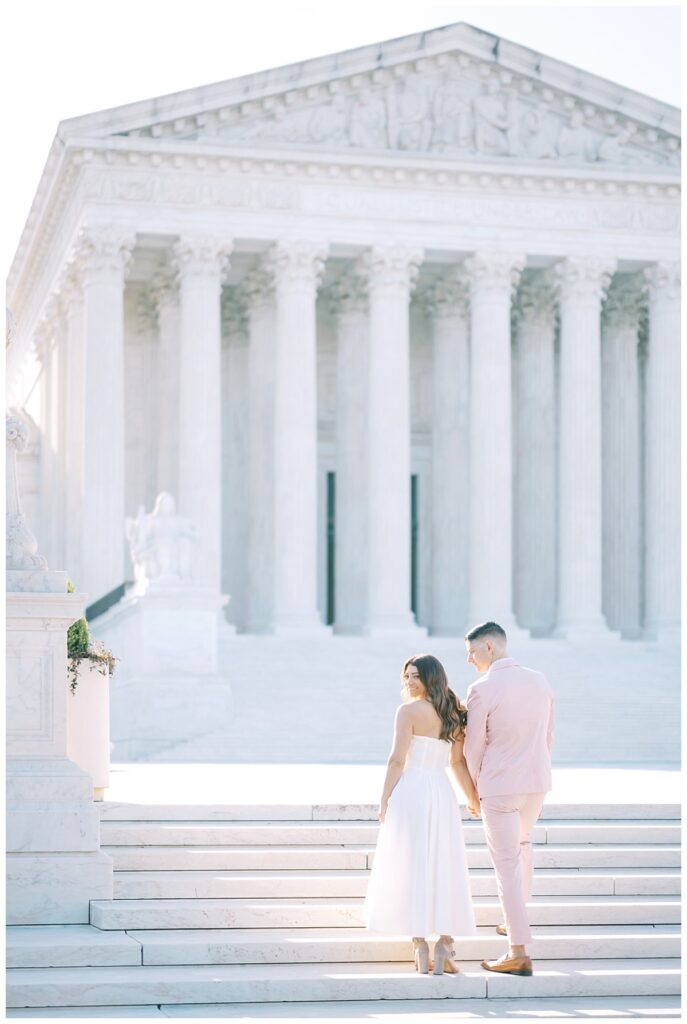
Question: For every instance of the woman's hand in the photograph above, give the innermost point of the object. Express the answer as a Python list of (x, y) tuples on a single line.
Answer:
[(474, 808), (381, 813)]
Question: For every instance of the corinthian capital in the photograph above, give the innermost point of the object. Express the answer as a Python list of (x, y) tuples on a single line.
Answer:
[(493, 271), (584, 278), (201, 255), (295, 264), (102, 249), (447, 296), (663, 279), (625, 301), (257, 287), (393, 266), (536, 297), (348, 295)]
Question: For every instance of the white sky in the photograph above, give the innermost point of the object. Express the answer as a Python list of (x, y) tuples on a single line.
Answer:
[(68, 57)]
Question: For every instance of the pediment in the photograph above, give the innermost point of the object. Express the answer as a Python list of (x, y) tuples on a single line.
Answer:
[(455, 93)]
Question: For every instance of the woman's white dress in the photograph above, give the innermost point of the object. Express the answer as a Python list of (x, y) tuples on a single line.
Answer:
[(419, 883)]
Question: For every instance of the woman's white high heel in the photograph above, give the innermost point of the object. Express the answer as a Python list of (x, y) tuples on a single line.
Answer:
[(444, 957), (421, 950)]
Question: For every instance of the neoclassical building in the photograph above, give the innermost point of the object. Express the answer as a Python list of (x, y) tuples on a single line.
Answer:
[(398, 328)]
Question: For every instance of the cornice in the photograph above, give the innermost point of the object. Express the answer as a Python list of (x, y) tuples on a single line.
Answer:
[(417, 52)]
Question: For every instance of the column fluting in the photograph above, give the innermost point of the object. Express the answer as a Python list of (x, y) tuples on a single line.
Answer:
[(492, 276), (104, 253), (349, 304), (390, 272), (297, 268), (621, 454), (200, 261), (583, 281), (446, 302), (534, 426), (662, 599)]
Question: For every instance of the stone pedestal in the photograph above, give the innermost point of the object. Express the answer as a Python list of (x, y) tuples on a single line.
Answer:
[(54, 863)]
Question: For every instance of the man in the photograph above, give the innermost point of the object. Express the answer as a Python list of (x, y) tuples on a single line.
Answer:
[(508, 753)]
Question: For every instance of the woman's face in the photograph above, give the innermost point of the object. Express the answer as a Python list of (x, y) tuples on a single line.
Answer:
[(413, 682)]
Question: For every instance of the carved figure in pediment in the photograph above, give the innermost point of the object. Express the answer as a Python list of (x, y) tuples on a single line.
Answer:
[(410, 125), (452, 117), (575, 140), (612, 148), (496, 125), (538, 131), (369, 121), (328, 122)]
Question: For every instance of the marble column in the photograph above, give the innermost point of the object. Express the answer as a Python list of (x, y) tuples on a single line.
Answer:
[(257, 294), (75, 420), (621, 454), (200, 261), (447, 306), (297, 267), (54, 864), (349, 307), (50, 353), (165, 291), (534, 425), (104, 253), (236, 411), (662, 599), (391, 273), (583, 280), (492, 277)]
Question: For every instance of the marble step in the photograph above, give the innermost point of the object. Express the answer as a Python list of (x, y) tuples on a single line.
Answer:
[(122, 986), (69, 945), (298, 858), (131, 885), (112, 811), (393, 1011), (355, 945), (345, 913), (174, 833)]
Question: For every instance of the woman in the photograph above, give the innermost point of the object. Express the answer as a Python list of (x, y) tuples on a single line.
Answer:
[(419, 884)]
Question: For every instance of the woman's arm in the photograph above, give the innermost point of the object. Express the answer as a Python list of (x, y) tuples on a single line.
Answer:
[(403, 734), (460, 772)]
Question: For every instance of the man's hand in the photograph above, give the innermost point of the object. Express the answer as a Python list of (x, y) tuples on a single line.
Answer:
[(474, 809)]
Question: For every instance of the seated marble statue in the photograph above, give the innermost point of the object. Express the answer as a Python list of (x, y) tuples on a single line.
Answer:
[(162, 544)]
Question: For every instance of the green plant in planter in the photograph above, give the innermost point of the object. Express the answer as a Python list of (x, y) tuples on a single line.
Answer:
[(81, 647)]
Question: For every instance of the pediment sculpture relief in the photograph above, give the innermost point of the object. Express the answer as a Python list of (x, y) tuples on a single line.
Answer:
[(453, 113)]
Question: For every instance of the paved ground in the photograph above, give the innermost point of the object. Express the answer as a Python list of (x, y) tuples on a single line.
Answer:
[(356, 783), (332, 699)]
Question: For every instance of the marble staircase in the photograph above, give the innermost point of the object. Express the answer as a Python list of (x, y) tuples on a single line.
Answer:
[(225, 904)]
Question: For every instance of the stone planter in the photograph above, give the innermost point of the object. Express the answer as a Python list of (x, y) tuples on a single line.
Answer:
[(88, 724)]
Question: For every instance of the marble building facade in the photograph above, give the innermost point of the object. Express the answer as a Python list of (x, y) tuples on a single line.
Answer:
[(398, 328)]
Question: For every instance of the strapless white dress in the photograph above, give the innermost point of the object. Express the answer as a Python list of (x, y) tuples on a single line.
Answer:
[(419, 883)]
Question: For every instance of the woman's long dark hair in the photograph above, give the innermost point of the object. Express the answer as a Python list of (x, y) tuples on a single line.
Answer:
[(433, 677)]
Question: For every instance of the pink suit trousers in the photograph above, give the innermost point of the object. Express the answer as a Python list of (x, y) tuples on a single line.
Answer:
[(508, 824)]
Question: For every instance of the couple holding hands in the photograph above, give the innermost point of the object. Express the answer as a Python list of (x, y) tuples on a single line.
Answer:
[(498, 748)]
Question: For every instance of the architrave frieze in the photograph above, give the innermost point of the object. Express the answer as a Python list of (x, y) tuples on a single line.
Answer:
[(113, 180)]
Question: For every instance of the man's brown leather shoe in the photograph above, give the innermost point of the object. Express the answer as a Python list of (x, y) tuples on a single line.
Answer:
[(501, 929), (520, 965)]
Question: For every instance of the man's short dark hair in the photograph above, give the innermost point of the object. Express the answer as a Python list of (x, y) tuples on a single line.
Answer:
[(486, 629)]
